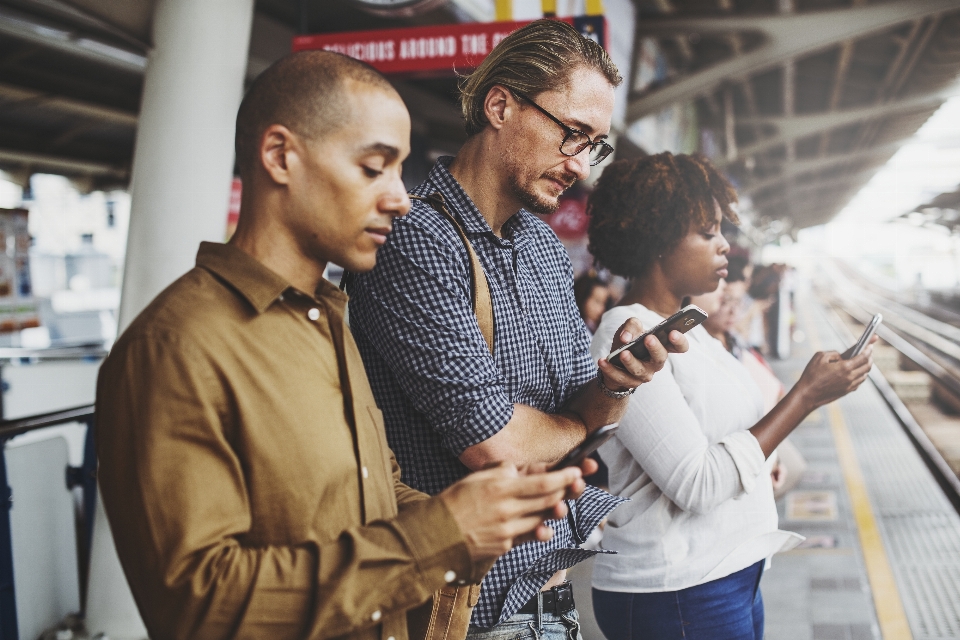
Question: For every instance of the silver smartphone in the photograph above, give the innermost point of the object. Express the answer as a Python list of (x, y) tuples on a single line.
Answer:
[(861, 344), (682, 321)]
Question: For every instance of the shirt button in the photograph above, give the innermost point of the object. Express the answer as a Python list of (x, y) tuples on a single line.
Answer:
[(314, 314), (450, 576), (376, 615), (366, 474)]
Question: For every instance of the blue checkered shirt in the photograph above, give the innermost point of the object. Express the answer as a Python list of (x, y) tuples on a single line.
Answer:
[(440, 389)]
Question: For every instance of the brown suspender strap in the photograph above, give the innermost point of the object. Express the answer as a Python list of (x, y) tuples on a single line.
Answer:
[(447, 615), (479, 287)]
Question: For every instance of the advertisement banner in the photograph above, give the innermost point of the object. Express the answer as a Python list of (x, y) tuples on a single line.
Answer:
[(441, 48)]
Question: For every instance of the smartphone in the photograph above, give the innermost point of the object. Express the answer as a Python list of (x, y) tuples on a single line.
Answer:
[(682, 321), (861, 344), (592, 443)]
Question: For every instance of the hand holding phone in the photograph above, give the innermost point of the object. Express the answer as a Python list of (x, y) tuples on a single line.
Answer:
[(864, 339), (682, 321), (593, 441)]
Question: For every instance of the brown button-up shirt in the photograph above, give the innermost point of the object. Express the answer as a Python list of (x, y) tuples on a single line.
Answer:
[(245, 473)]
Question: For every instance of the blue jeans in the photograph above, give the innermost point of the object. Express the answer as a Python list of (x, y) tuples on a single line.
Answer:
[(526, 626), (730, 608)]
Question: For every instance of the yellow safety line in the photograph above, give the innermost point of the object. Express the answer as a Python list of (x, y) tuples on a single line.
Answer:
[(883, 585)]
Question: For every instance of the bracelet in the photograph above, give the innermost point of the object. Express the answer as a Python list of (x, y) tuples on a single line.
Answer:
[(610, 393)]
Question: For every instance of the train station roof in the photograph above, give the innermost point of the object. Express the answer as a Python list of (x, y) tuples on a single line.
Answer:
[(809, 97)]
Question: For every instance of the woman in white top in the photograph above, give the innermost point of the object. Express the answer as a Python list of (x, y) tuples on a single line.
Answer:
[(692, 449)]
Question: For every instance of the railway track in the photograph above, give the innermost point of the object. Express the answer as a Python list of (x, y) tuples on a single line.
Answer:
[(932, 345)]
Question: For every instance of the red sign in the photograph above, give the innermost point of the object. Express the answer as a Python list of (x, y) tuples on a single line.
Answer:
[(570, 220), (446, 47), (233, 208)]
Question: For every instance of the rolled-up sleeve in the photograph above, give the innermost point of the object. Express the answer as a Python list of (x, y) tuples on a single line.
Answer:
[(176, 496), (415, 308)]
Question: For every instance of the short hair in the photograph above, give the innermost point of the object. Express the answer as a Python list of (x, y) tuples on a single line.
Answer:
[(535, 58), (643, 207), (302, 91)]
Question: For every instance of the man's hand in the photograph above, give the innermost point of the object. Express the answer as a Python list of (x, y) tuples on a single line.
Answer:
[(501, 507), (638, 371)]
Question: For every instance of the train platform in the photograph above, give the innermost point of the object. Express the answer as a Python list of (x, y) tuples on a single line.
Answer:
[(882, 555)]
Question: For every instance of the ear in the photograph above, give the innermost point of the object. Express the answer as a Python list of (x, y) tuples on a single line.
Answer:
[(278, 146), (497, 105)]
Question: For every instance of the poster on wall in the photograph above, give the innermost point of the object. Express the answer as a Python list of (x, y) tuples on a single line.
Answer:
[(438, 49), (18, 309)]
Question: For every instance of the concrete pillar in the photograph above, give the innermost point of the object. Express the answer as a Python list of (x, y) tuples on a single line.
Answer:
[(183, 161), (180, 188)]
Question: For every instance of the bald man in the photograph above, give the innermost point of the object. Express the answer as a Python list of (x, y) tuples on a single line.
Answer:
[(243, 463)]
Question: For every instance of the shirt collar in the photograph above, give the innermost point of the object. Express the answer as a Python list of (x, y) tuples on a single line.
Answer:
[(463, 207), (251, 279)]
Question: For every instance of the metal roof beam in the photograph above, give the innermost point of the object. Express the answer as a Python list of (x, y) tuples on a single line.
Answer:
[(17, 25), (69, 166), (788, 36), (796, 127), (19, 95), (809, 165)]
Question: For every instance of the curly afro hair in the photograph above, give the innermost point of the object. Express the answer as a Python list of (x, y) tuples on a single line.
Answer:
[(643, 207)]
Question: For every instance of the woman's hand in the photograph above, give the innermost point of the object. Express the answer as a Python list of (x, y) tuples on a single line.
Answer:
[(638, 371), (828, 377)]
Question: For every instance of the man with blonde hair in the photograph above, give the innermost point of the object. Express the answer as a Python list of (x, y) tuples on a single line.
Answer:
[(460, 389)]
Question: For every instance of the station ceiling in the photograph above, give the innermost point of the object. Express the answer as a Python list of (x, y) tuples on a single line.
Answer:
[(805, 98)]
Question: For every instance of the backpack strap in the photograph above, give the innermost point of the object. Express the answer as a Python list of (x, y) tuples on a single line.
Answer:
[(479, 287)]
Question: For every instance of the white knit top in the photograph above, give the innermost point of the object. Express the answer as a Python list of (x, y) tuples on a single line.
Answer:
[(701, 501)]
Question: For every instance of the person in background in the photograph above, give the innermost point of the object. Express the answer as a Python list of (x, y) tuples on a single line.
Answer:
[(754, 325), (593, 297), (538, 111), (726, 304), (243, 464), (693, 446)]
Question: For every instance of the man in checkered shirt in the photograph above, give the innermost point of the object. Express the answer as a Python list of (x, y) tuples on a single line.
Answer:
[(537, 111)]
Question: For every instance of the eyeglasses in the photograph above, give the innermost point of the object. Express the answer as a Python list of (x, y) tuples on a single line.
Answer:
[(575, 141)]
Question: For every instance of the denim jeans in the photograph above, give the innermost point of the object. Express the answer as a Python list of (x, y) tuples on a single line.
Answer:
[(526, 626), (730, 608)]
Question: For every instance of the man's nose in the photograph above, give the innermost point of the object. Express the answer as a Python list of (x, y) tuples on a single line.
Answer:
[(579, 165), (397, 202)]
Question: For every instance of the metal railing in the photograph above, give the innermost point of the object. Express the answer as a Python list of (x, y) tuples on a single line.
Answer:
[(83, 476)]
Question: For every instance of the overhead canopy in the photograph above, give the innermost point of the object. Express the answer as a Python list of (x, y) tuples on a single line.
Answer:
[(809, 97), (71, 75)]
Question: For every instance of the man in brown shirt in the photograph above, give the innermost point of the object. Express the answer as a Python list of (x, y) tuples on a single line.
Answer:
[(243, 464)]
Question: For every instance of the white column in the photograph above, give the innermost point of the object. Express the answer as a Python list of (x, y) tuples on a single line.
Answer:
[(180, 187), (183, 161)]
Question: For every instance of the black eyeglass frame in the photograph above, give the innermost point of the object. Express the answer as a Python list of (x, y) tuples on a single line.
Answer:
[(605, 148)]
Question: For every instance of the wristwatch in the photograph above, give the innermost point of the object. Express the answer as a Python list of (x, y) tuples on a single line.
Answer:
[(610, 393)]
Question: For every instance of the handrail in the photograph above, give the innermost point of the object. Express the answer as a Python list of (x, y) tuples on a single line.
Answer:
[(60, 352), (10, 428)]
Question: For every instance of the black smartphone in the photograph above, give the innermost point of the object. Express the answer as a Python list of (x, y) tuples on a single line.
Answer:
[(861, 344), (682, 321), (593, 441)]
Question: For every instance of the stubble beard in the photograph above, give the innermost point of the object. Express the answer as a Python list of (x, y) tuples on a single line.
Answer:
[(527, 196)]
